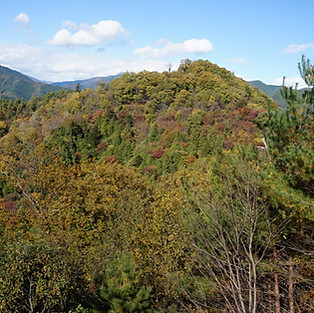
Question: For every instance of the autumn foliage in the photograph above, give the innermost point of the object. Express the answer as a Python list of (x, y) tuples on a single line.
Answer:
[(157, 193)]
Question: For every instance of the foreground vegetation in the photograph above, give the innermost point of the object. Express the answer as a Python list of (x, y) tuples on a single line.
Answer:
[(185, 191)]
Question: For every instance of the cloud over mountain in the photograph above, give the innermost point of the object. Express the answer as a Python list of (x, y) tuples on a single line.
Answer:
[(168, 48), (290, 82)]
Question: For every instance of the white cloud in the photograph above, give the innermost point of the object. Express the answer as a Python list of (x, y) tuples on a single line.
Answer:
[(87, 35), (290, 82), (162, 42), (70, 25), (167, 48), (297, 48), (238, 60), (22, 18), (54, 64)]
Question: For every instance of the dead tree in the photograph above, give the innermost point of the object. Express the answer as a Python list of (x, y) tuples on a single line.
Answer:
[(232, 235)]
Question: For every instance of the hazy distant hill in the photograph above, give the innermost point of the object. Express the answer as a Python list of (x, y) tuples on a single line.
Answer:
[(16, 85), (87, 83), (271, 91)]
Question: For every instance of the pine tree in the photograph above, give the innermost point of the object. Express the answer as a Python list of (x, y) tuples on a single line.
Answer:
[(122, 290), (291, 133)]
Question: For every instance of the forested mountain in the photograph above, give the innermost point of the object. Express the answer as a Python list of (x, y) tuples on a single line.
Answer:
[(15, 85), (183, 191), (87, 83), (271, 91), (267, 89)]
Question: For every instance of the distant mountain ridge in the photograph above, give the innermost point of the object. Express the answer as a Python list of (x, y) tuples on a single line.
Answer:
[(271, 91), (15, 85), (87, 83)]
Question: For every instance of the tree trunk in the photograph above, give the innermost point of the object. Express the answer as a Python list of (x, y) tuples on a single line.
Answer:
[(270, 302), (276, 283), (291, 298)]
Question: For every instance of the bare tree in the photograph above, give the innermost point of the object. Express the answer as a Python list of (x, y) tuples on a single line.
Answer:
[(291, 287), (169, 66), (276, 282), (232, 234)]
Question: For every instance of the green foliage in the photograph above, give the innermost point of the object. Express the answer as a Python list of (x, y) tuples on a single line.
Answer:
[(37, 277), (78, 87), (291, 203), (80, 309), (176, 111), (10, 108), (122, 290), (94, 234), (290, 132), (271, 91), (77, 140), (18, 86)]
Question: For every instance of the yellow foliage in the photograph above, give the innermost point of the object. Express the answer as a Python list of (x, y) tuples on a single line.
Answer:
[(2, 124)]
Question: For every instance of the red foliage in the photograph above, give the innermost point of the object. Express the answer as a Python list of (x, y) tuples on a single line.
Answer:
[(94, 117), (228, 144), (139, 118), (218, 117), (110, 159), (245, 114), (78, 155), (157, 154), (190, 159), (173, 125), (9, 205), (101, 147), (208, 119), (11, 197), (150, 170), (77, 118), (220, 126), (121, 115), (10, 200), (245, 125), (169, 117)]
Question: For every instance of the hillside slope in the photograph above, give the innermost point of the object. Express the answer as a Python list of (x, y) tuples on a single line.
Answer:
[(157, 122), (151, 193), (271, 91), (15, 85)]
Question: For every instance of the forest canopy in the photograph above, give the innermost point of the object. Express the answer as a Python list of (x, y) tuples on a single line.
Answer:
[(181, 191)]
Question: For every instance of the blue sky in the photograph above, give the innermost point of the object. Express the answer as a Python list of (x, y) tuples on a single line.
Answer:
[(67, 40)]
